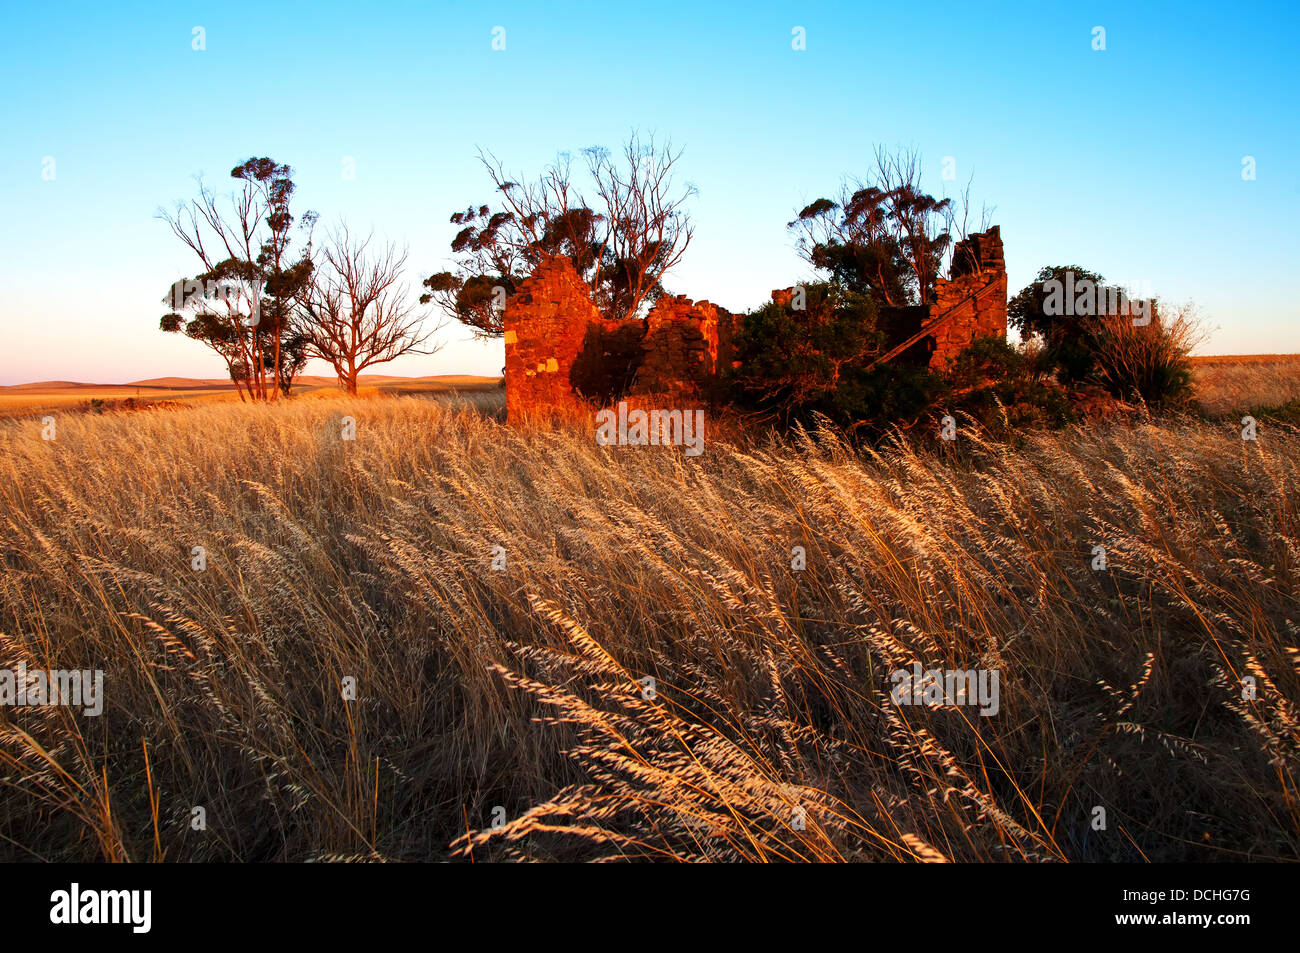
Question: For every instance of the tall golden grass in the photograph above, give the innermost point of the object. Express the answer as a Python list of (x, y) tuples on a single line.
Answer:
[(502, 713)]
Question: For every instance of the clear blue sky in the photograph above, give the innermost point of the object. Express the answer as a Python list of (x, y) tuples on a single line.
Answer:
[(1127, 161)]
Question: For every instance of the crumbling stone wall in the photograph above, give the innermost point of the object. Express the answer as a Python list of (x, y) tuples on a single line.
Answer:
[(546, 323), (977, 289), (611, 355), (681, 347), (560, 351)]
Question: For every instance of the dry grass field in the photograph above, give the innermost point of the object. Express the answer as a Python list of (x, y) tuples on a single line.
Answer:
[(22, 400), (503, 713), (1243, 382)]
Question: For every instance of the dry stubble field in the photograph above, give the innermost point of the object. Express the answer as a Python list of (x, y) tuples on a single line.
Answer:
[(517, 694)]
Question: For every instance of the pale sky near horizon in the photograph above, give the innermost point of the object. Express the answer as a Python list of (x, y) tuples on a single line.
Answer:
[(1127, 160)]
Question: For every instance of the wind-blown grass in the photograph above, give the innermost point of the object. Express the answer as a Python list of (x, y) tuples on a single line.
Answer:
[(769, 733)]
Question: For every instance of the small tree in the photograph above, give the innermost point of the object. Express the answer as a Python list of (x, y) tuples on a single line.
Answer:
[(1064, 335), (356, 313), (240, 304), (884, 236)]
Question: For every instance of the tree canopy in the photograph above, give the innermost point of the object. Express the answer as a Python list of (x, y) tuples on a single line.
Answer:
[(623, 232)]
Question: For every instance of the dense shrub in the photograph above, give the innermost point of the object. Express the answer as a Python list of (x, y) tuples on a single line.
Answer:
[(1149, 362), (801, 363), (797, 363), (1002, 386), (1100, 345), (792, 355)]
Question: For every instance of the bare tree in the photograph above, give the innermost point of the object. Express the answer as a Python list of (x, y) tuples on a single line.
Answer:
[(957, 218), (357, 313), (223, 301), (648, 229), (550, 214), (622, 242)]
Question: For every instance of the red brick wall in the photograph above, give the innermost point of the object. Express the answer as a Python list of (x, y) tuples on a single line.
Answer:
[(546, 322), (555, 337), (977, 289), (681, 347)]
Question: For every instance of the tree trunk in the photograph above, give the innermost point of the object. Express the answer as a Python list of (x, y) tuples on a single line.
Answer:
[(276, 395)]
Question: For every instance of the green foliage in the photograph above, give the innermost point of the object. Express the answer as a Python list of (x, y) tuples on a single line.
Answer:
[(471, 297), (871, 402), (1025, 311), (1147, 362), (797, 362), (885, 242), (280, 280), (1063, 335), (795, 355), (1004, 386), (294, 352), (621, 243), (243, 306)]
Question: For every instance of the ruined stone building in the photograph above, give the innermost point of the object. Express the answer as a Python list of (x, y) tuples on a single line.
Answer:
[(561, 353), (970, 303), (562, 356)]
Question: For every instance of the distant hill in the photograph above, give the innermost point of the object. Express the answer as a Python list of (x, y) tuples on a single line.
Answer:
[(52, 385), (211, 384)]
